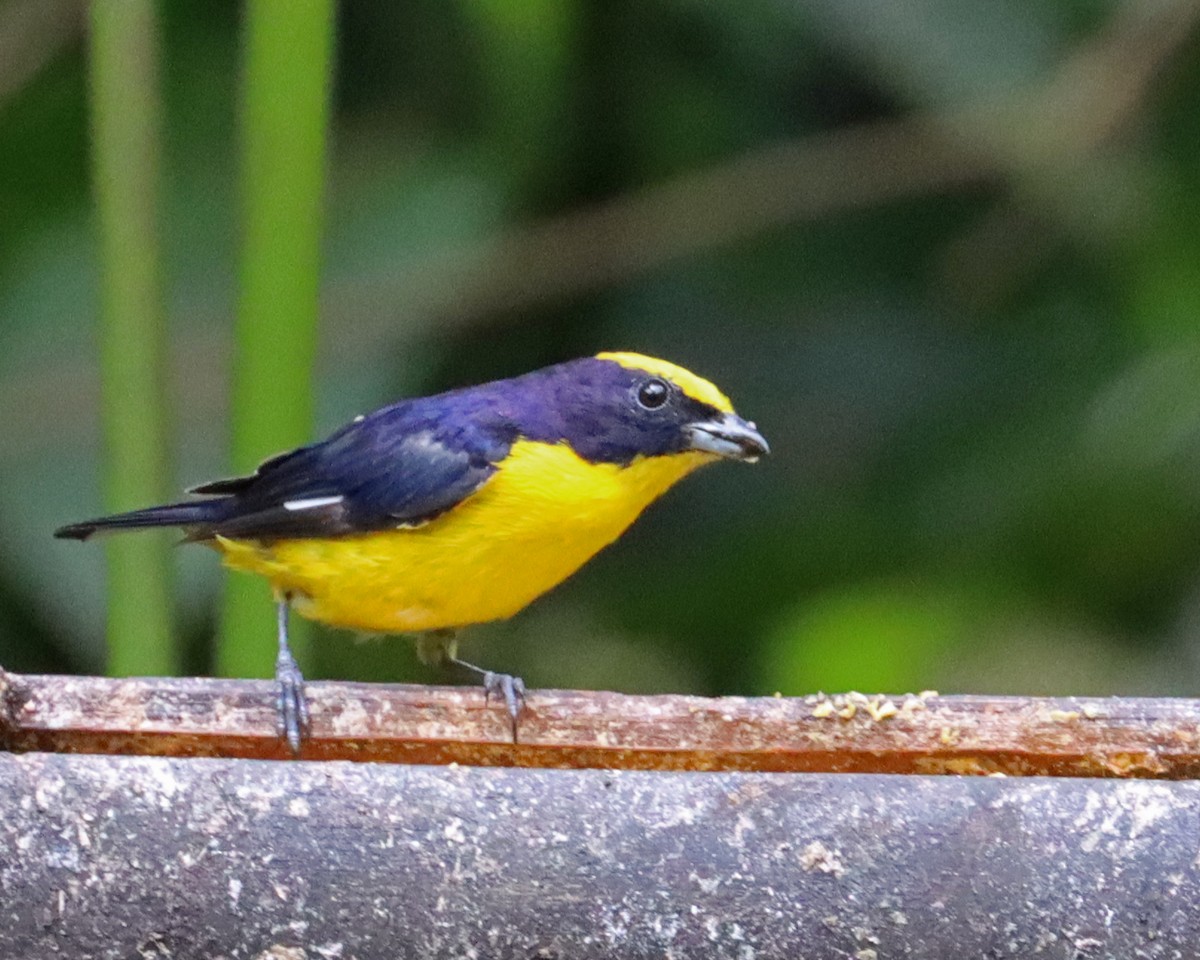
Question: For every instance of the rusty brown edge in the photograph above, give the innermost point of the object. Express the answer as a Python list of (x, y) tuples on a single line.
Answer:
[(1155, 738)]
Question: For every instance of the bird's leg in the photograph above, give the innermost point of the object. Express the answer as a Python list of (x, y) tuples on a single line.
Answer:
[(441, 646), (292, 723)]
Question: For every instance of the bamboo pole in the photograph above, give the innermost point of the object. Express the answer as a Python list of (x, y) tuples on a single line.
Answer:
[(285, 116), (133, 330)]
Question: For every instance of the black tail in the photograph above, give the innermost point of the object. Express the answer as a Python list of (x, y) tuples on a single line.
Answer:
[(195, 513)]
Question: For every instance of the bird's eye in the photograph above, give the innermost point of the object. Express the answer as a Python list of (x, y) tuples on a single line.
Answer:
[(653, 394)]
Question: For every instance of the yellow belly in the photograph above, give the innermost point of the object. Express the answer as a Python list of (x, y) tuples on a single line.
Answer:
[(535, 522)]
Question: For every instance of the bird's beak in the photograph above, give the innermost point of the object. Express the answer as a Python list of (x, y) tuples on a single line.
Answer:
[(729, 436)]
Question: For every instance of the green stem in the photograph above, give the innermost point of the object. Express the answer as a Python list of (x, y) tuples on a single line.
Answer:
[(289, 51), (125, 166)]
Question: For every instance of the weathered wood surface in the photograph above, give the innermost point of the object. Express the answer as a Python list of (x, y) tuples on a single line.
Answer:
[(1142, 738), (121, 857)]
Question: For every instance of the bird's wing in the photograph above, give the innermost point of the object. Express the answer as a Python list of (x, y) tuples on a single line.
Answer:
[(381, 473)]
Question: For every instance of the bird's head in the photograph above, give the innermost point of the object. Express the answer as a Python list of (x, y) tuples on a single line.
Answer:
[(617, 407)]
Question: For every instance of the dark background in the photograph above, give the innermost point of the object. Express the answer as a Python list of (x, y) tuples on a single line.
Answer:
[(946, 254)]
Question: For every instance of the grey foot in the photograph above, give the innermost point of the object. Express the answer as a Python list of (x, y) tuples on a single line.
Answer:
[(512, 689), (292, 722)]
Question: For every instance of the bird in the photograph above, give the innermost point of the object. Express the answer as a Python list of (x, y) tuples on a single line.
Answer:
[(440, 512)]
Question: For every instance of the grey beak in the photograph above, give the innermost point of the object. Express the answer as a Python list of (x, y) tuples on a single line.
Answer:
[(728, 436)]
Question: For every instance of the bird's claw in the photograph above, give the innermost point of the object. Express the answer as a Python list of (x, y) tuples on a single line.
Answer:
[(511, 688), (292, 720)]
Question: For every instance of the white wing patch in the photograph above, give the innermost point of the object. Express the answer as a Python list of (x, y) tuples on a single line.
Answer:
[(312, 503)]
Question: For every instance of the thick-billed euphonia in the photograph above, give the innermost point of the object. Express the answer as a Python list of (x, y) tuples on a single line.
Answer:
[(438, 512)]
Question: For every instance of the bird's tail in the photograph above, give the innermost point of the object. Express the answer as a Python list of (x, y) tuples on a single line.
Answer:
[(193, 514)]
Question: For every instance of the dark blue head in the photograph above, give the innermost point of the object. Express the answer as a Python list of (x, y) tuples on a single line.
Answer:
[(616, 407)]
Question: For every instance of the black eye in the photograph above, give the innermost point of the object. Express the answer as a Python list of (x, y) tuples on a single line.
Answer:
[(653, 394)]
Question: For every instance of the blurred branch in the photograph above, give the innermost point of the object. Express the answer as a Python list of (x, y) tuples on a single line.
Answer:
[(636, 233), (125, 164), (1035, 140), (289, 52), (928, 734), (32, 33), (1058, 147)]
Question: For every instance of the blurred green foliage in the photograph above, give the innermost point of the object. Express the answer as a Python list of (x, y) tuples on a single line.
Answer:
[(944, 254)]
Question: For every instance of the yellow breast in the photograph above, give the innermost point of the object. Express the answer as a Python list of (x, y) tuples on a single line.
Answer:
[(543, 514)]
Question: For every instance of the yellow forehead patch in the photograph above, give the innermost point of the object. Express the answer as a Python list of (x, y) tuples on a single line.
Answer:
[(695, 387)]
